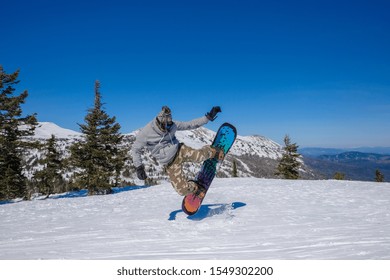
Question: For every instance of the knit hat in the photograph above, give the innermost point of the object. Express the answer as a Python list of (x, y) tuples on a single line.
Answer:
[(164, 119)]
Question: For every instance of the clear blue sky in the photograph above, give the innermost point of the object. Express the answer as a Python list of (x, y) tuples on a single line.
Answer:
[(316, 70)]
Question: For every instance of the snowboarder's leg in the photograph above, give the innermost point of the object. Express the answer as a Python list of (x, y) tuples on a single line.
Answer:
[(196, 155), (179, 182), (175, 170)]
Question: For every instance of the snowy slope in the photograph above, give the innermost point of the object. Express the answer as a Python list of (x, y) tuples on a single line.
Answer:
[(244, 218), (44, 130)]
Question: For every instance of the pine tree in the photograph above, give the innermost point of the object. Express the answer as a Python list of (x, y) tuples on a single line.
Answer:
[(289, 164), (234, 170), (99, 157), (339, 176), (379, 177), (49, 178), (119, 163), (13, 127)]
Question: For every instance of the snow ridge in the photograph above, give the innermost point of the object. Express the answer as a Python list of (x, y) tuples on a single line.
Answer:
[(44, 130)]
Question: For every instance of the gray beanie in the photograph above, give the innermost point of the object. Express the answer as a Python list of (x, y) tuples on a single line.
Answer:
[(164, 118)]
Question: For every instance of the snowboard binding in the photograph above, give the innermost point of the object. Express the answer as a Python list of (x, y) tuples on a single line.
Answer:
[(200, 191), (218, 154)]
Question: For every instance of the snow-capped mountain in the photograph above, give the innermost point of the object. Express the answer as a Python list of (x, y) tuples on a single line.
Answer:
[(44, 130), (255, 156)]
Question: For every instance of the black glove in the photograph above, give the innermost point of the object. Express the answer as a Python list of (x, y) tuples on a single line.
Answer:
[(141, 173), (212, 115)]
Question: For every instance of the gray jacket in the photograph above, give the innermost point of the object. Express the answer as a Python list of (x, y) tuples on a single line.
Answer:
[(162, 145)]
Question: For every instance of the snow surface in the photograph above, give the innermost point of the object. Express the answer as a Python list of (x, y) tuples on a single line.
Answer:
[(241, 218), (44, 130)]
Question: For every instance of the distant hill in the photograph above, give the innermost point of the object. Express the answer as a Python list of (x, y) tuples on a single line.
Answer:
[(355, 165), (317, 151), (44, 130), (357, 156)]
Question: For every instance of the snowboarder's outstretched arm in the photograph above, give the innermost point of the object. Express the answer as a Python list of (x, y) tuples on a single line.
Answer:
[(210, 116)]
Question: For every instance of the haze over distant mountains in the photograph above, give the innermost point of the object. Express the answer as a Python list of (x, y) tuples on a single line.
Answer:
[(317, 151), (356, 164)]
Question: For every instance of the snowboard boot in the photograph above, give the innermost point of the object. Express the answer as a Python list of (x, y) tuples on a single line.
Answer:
[(217, 153), (199, 191)]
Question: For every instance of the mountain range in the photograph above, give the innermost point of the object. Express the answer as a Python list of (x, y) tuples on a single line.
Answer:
[(255, 156), (317, 151), (354, 164)]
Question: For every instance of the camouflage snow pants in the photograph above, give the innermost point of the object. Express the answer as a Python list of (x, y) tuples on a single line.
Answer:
[(175, 169)]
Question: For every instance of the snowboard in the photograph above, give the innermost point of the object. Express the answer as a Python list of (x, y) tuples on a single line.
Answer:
[(223, 140)]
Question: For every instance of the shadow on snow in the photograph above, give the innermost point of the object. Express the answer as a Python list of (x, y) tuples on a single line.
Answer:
[(209, 210), (84, 193), (74, 194)]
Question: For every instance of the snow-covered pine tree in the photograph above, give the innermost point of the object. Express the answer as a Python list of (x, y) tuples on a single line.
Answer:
[(288, 166), (13, 127), (49, 180), (99, 156)]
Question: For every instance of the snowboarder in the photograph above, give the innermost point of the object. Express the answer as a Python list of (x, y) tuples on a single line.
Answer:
[(158, 136)]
